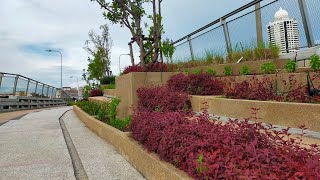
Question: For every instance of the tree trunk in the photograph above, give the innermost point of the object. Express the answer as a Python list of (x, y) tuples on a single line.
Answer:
[(131, 54), (142, 53), (155, 32), (160, 39)]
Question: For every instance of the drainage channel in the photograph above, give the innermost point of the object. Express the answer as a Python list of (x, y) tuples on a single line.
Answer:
[(78, 168)]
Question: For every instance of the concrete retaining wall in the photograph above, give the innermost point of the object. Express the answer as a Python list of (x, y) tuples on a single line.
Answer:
[(146, 163), (279, 113), (15, 103)]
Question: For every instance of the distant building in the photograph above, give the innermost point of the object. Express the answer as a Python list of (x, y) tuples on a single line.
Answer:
[(284, 32)]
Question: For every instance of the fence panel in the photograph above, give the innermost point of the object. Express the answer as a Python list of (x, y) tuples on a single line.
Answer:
[(7, 85), (182, 53), (313, 7), (210, 43), (21, 89), (39, 90)]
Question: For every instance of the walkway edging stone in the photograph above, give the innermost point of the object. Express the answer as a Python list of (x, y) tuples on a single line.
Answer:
[(148, 164)]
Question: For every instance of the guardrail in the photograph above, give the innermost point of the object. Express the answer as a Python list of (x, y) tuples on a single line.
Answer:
[(247, 26), (18, 85)]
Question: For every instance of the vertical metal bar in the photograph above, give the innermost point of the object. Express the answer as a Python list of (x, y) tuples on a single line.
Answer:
[(1, 75), (42, 90), (48, 91), (15, 85), (258, 25), (35, 91), (27, 87), (52, 92), (191, 49), (226, 35), (306, 22)]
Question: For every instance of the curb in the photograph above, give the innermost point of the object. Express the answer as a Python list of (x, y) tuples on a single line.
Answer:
[(148, 164)]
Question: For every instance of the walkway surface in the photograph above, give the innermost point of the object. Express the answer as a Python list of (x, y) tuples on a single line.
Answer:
[(34, 147)]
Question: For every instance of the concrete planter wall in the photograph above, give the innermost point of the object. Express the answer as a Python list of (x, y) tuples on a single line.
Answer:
[(254, 67), (146, 163), (127, 85), (279, 113)]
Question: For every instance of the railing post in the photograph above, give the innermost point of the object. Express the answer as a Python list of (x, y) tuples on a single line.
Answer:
[(52, 92), (306, 22), (27, 87), (42, 90), (15, 85), (1, 75), (48, 91), (35, 91), (226, 34), (191, 49), (258, 24)]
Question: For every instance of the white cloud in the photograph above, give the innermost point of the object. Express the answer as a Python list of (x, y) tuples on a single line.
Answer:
[(65, 25)]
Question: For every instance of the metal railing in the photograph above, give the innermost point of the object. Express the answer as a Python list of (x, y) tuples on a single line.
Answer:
[(247, 27), (18, 85)]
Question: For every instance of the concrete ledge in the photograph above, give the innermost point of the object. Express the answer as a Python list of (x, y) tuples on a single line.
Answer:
[(146, 163), (99, 99), (110, 92), (277, 113)]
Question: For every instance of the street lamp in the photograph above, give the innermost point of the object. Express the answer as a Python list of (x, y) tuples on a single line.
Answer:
[(77, 85), (50, 50), (119, 61)]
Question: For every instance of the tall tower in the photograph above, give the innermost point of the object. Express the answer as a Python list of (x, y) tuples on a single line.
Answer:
[(284, 32)]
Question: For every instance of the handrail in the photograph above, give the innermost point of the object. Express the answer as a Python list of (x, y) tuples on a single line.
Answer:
[(219, 20), (47, 90)]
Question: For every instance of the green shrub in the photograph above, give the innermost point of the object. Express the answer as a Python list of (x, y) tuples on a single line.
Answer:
[(105, 112), (315, 62), (111, 86), (291, 66), (228, 70), (274, 51), (71, 103), (86, 91), (108, 80), (197, 71), (211, 71), (268, 68), (245, 70)]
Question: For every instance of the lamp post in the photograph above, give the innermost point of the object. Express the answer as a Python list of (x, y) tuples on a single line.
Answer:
[(50, 50), (119, 61), (78, 90)]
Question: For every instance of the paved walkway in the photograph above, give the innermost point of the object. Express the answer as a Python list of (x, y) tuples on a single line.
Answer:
[(34, 147)]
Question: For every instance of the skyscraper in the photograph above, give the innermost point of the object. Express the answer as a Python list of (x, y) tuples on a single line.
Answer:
[(284, 32)]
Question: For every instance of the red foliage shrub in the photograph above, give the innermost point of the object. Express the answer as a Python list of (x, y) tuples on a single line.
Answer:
[(135, 68), (155, 67), (253, 89), (236, 150), (202, 84), (161, 99), (96, 92)]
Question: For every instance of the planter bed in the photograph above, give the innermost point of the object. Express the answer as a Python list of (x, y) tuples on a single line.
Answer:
[(146, 163), (280, 113)]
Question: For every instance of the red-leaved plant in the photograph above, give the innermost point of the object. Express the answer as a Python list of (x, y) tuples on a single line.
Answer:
[(96, 92), (208, 149), (193, 84), (153, 67), (162, 99)]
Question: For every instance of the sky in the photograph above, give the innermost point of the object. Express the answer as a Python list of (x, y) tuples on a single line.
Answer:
[(29, 27)]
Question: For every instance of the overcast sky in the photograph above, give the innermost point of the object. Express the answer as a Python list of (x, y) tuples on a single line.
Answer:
[(29, 27)]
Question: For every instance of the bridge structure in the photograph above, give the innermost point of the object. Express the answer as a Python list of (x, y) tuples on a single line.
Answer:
[(18, 92)]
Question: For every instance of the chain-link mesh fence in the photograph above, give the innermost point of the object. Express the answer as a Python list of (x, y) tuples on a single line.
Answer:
[(240, 30)]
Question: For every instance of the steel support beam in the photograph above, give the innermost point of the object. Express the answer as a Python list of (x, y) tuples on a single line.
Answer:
[(258, 25), (226, 35), (27, 90), (15, 85), (191, 49), (306, 23)]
